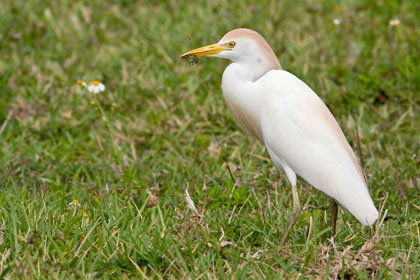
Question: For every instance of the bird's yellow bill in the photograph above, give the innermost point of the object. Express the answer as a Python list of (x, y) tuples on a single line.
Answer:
[(204, 51)]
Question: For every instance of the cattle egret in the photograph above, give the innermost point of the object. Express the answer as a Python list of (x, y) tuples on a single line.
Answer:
[(301, 135)]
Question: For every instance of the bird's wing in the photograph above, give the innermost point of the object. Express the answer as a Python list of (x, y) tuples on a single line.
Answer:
[(302, 134)]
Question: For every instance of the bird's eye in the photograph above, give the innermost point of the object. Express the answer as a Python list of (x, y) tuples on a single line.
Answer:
[(231, 44)]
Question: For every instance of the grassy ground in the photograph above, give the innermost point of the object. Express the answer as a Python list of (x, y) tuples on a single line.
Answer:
[(168, 128)]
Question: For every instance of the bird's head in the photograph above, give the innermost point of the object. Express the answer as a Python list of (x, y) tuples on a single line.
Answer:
[(240, 45)]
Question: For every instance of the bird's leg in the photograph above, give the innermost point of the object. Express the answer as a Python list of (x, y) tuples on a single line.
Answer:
[(295, 215), (333, 222)]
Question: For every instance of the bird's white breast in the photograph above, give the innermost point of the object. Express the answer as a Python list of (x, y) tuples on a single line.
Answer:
[(240, 97)]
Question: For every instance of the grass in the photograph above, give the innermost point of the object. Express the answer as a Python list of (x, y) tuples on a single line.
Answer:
[(172, 129)]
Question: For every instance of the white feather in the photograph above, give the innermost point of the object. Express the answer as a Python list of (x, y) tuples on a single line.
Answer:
[(301, 135)]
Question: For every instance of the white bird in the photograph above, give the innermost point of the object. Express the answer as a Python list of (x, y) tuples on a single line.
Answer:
[(301, 135)]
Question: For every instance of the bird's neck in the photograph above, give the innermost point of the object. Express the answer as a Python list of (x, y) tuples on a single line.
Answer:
[(238, 85), (250, 71)]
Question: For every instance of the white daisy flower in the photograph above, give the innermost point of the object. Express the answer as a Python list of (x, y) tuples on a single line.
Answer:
[(74, 203), (95, 87), (336, 21), (81, 83), (394, 22)]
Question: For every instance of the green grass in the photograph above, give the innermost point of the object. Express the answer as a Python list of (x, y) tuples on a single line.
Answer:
[(172, 129)]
